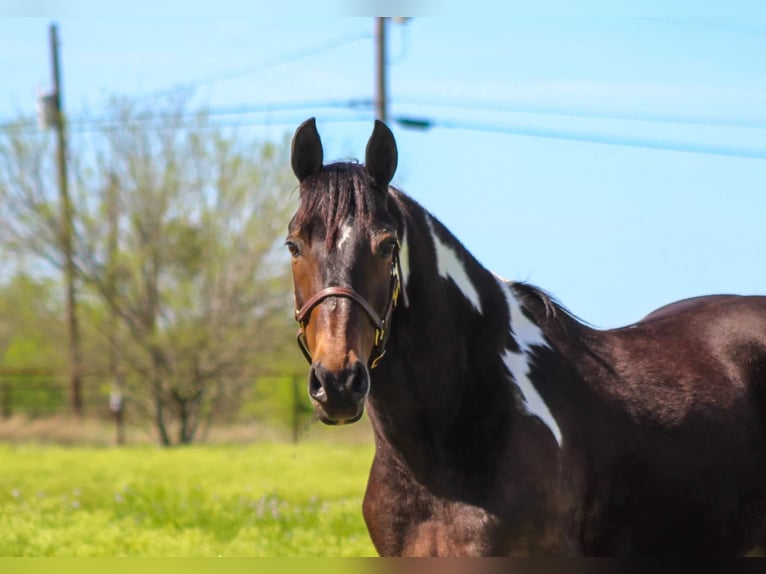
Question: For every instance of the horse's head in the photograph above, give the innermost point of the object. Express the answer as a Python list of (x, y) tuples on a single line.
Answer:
[(344, 245)]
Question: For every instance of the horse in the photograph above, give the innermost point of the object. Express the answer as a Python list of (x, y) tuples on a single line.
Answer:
[(504, 425)]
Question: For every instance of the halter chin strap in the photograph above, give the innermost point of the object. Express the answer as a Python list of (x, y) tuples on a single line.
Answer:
[(381, 323)]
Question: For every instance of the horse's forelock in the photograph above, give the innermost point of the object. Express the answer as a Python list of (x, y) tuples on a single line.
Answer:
[(340, 192)]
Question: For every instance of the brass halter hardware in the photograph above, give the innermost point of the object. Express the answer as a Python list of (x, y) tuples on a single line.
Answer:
[(381, 323)]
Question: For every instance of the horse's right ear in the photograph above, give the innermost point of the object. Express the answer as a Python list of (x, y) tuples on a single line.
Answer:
[(306, 151), (381, 156)]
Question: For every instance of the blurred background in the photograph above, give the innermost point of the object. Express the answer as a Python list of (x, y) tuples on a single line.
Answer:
[(617, 162)]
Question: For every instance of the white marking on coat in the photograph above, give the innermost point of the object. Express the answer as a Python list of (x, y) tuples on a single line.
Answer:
[(449, 265), (404, 258), (345, 233), (527, 335)]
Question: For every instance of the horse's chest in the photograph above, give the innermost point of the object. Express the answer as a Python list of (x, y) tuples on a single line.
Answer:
[(434, 528), (453, 529)]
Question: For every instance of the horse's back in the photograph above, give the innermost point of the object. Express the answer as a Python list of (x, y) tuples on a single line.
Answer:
[(724, 327), (690, 380), (702, 352), (706, 304)]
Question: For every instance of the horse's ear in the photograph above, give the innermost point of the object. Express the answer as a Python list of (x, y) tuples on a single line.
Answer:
[(306, 151), (381, 156)]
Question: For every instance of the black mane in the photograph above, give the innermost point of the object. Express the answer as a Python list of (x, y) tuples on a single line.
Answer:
[(338, 193), (547, 310)]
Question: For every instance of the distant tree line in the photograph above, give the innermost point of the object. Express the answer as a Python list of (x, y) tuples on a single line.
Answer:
[(184, 296)]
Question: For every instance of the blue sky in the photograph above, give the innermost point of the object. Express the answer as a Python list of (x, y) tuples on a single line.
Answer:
[(618, 162)]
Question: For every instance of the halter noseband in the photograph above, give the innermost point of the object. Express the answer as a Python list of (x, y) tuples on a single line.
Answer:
[(381, 324)]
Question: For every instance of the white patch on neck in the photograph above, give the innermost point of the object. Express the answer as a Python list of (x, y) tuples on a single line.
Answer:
[(345, 233), (527, 335), (450, 266), (404, 259)]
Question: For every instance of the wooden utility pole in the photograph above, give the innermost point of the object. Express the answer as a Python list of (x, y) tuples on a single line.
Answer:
[(380, 69), (73, 328), (116, 401)]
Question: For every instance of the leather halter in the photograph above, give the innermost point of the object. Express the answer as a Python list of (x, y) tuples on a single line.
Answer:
[(381, 323)]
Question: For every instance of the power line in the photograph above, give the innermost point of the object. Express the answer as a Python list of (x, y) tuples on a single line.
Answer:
[(189, 123), (233, 74), (361, 110), (524, 131), (599, 138), (531, 109), (88, 122), (366, 103)]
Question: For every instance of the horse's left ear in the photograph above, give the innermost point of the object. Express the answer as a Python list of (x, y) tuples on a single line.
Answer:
[(306, 152), (381, 157)]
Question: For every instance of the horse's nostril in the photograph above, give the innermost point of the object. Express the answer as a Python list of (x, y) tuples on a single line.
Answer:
[(316, 389), (349, 386), (360, 382)]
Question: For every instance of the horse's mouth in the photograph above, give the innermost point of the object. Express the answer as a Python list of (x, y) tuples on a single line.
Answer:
[(336, 421)]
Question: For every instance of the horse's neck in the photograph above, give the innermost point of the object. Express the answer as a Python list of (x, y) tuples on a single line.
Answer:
[(453, 354)]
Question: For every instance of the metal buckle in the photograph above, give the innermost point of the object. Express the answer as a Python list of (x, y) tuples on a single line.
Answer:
[(377, 359)]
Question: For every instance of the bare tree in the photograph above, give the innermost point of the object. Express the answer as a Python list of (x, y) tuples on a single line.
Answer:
[(176, 226)]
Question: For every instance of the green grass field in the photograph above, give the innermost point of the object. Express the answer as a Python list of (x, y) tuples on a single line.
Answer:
[(260, 500)]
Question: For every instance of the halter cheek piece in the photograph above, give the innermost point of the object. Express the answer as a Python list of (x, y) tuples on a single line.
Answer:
[(381, 323)]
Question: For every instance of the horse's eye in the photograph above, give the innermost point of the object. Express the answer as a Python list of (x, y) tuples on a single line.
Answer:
[(293, 248), (387, 248)]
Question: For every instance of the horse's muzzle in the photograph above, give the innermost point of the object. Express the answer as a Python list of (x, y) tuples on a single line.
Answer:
[(338, 396)]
